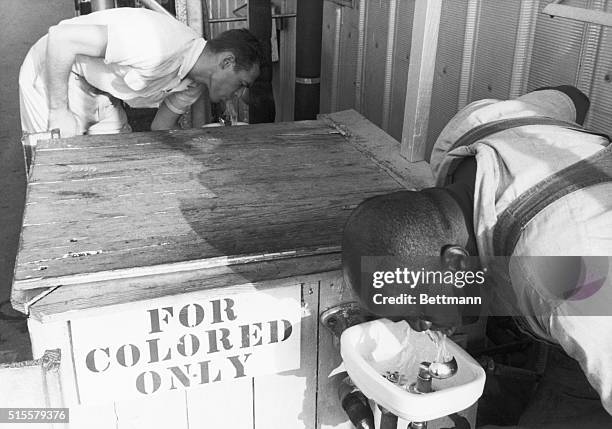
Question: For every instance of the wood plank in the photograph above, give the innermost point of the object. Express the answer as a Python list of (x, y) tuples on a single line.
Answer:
[(67, 300), (135, 205), (199, 222), (329, 410), (172, 138), (286, 96), (213, 244), (420, 78), (200, 148), (221, 405), (165, 410), (288, 400), (56, 335), (381, 148)]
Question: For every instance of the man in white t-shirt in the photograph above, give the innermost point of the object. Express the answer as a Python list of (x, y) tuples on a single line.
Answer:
[(74, 77)]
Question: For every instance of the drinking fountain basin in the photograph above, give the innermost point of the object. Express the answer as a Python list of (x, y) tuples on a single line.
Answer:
[(377, 351)]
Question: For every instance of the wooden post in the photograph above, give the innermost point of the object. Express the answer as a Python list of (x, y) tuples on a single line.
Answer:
[(426, 24)]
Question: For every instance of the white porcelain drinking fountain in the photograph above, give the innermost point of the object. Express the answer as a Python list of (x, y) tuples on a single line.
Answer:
[(411, 374)]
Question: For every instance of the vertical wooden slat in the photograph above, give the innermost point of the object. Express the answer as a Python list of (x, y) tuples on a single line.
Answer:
[(56, 335), (161, 411), (469, 44), (420, 79), (288, 400), (389, 61), (523, 47), (349, 39), (449, 63), (494, 53), (556, 50), (373, 84), (601, 93), (361, 47), (336, 61), (399, 74), (223, 405), (287, 64), (329, 410), (588, 55), (328, 59)]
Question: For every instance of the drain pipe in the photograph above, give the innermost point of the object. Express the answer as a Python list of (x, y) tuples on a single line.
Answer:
[(261, 98), (308, 59)]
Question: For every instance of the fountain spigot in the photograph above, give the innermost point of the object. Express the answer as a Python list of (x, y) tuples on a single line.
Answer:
[(423, 381)]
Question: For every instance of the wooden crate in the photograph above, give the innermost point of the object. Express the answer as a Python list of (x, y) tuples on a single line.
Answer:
[(118, 227)]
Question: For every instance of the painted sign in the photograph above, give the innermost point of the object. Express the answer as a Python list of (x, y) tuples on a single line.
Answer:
[(187, 341)]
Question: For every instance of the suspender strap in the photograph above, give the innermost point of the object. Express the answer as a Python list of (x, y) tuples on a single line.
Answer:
[(587, 172), (485, 130)]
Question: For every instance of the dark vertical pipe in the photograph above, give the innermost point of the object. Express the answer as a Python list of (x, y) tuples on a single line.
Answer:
[(261, 97), (308, 58)]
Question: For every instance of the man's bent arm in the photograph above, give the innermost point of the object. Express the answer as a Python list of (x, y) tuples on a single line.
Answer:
[(165, 119), (64, 43)]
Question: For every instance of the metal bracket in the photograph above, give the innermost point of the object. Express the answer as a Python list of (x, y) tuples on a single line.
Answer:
[(343, 316)]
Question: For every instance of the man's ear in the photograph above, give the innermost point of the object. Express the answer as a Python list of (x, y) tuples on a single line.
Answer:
[(454, 257), (229, 60)]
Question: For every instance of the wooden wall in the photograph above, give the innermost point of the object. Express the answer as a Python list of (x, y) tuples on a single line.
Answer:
[(486, 49)]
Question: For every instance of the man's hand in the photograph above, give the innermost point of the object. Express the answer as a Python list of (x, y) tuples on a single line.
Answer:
[(65, 120)]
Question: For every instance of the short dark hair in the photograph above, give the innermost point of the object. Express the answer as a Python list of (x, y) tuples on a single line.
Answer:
[(242, 44)]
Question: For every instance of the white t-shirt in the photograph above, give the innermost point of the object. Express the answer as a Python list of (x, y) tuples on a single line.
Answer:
[(147, 58)]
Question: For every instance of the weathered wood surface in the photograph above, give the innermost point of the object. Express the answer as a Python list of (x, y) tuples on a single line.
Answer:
[(67, 301), (145, 199), (381, 148), (289, 399)]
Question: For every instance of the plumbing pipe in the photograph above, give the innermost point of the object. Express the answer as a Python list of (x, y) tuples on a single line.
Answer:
[(261, 97), (309, 26), (355, 405), (102, 4), (388, 420)]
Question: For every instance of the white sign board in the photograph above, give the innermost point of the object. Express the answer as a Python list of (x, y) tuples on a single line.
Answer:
[(187, 341)]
